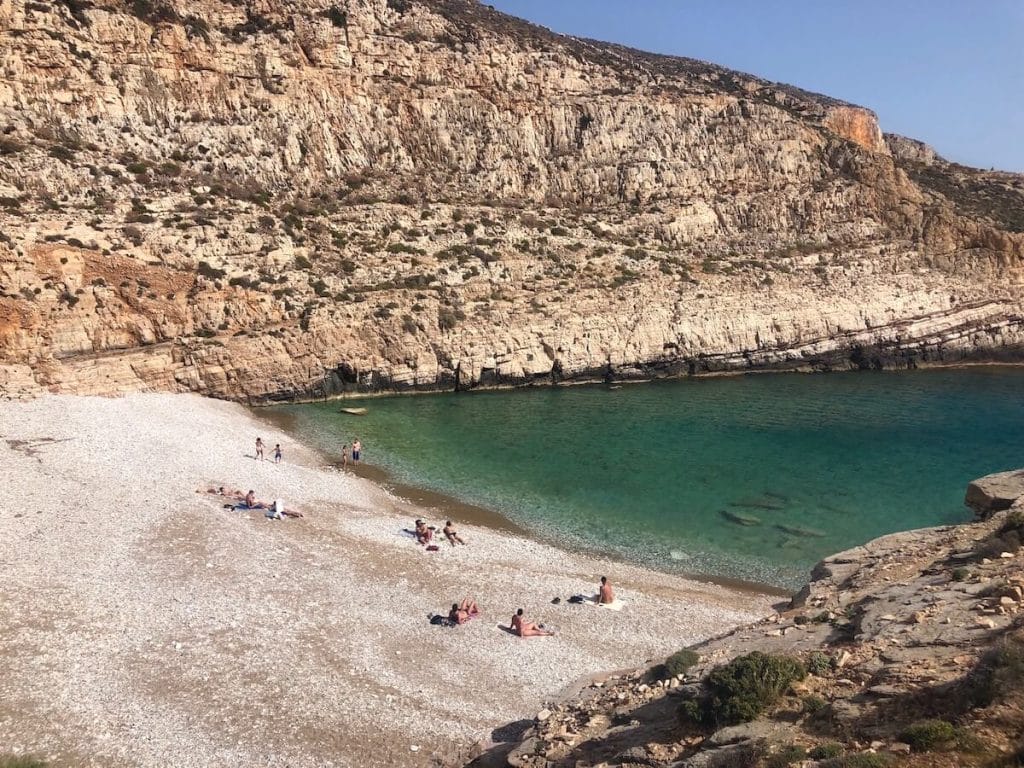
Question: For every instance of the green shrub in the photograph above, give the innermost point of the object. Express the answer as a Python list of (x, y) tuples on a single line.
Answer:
[(863, 760), (819, 664), (812, 704), (207, 270), (826, 751), (960, 574), (681, 661), (741, 690), (928, 735), (999, 672), (446, 319), (13, 761), (785, 757)]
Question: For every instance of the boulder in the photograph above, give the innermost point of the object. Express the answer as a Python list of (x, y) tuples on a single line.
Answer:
[(994, 493)]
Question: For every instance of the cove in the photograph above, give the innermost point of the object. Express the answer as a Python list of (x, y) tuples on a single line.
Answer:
[(751, 477)]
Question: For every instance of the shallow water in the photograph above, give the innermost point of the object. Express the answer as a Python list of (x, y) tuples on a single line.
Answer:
[(753, 477)]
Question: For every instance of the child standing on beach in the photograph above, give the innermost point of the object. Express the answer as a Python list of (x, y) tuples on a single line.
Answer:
[(277, 453)]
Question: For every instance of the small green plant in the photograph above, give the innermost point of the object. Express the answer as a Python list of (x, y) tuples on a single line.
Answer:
[(812, 704), (20, 761), (819, 664), (680, 662), (826, 751), (207, 270), (446, 319), (785, 757), (863, 760), (929, 735), (999, 673), (960, 574), (741, 690)]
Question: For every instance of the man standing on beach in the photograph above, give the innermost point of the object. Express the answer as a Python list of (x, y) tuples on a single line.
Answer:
[(357, 448), (259, 448)]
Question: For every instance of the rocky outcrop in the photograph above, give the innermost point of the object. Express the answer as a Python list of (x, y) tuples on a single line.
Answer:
[(908, 629), (273, 200), (994, 493)]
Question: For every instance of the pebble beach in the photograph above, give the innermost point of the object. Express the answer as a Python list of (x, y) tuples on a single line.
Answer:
[(146, 625)]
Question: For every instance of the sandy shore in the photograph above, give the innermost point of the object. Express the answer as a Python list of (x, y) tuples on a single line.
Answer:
[(145, 625)]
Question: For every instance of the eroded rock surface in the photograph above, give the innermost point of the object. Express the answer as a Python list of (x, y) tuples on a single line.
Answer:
[(267, 200)]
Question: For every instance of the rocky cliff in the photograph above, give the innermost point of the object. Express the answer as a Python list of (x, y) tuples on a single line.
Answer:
[(907, 651), (266, 199)]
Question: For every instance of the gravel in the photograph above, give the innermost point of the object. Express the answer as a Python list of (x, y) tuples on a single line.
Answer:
[(143, 624)]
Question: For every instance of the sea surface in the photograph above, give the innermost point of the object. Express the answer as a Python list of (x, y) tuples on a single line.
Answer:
[(752, 477)]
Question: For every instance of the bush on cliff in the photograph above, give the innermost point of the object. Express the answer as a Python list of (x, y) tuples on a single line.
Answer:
[(741, 690), (999, 673), (929, 735), (680, 662)]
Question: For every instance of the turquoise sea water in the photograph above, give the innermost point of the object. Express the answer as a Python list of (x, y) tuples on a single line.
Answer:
[(753, 477)]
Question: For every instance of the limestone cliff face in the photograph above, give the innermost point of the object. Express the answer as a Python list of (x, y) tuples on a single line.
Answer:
[(268, 199)]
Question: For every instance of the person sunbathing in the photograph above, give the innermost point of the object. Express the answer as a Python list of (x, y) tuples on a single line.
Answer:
[(461, 613), (423, 533), (606, 595), (524, 628), (451, 534)]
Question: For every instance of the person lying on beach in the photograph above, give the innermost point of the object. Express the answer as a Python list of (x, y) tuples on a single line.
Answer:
[(606, 595), (524, 628), (451, 534), (460, 614), (423, 533)]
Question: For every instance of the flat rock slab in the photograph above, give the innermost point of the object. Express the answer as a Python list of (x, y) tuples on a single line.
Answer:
[(994, 493)]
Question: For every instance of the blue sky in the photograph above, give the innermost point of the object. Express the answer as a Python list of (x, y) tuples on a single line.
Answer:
[(948, 72)]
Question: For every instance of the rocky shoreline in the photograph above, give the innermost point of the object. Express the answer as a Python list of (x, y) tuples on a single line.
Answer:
[(911, 647)]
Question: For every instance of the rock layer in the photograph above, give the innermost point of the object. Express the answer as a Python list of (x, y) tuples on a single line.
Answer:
[(269, 200)]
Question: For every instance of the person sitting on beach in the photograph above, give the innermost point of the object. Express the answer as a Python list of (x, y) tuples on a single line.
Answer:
[(250, 499), (606, 595), (524, 628), (451, 534), (423, 533), (276, 510), (461, 613)]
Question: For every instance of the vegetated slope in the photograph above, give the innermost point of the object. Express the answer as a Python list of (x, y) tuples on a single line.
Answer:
[(261, 200)]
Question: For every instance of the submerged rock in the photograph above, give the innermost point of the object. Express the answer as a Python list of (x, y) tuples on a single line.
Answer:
[(740, 519)]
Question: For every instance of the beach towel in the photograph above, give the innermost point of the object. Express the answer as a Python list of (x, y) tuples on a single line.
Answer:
[(614, 605)]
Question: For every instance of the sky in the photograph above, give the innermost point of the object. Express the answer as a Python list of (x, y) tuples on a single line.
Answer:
[(947, 72)]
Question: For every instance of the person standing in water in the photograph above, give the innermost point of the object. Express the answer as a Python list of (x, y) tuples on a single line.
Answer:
[(259, 448), (357, 448)]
